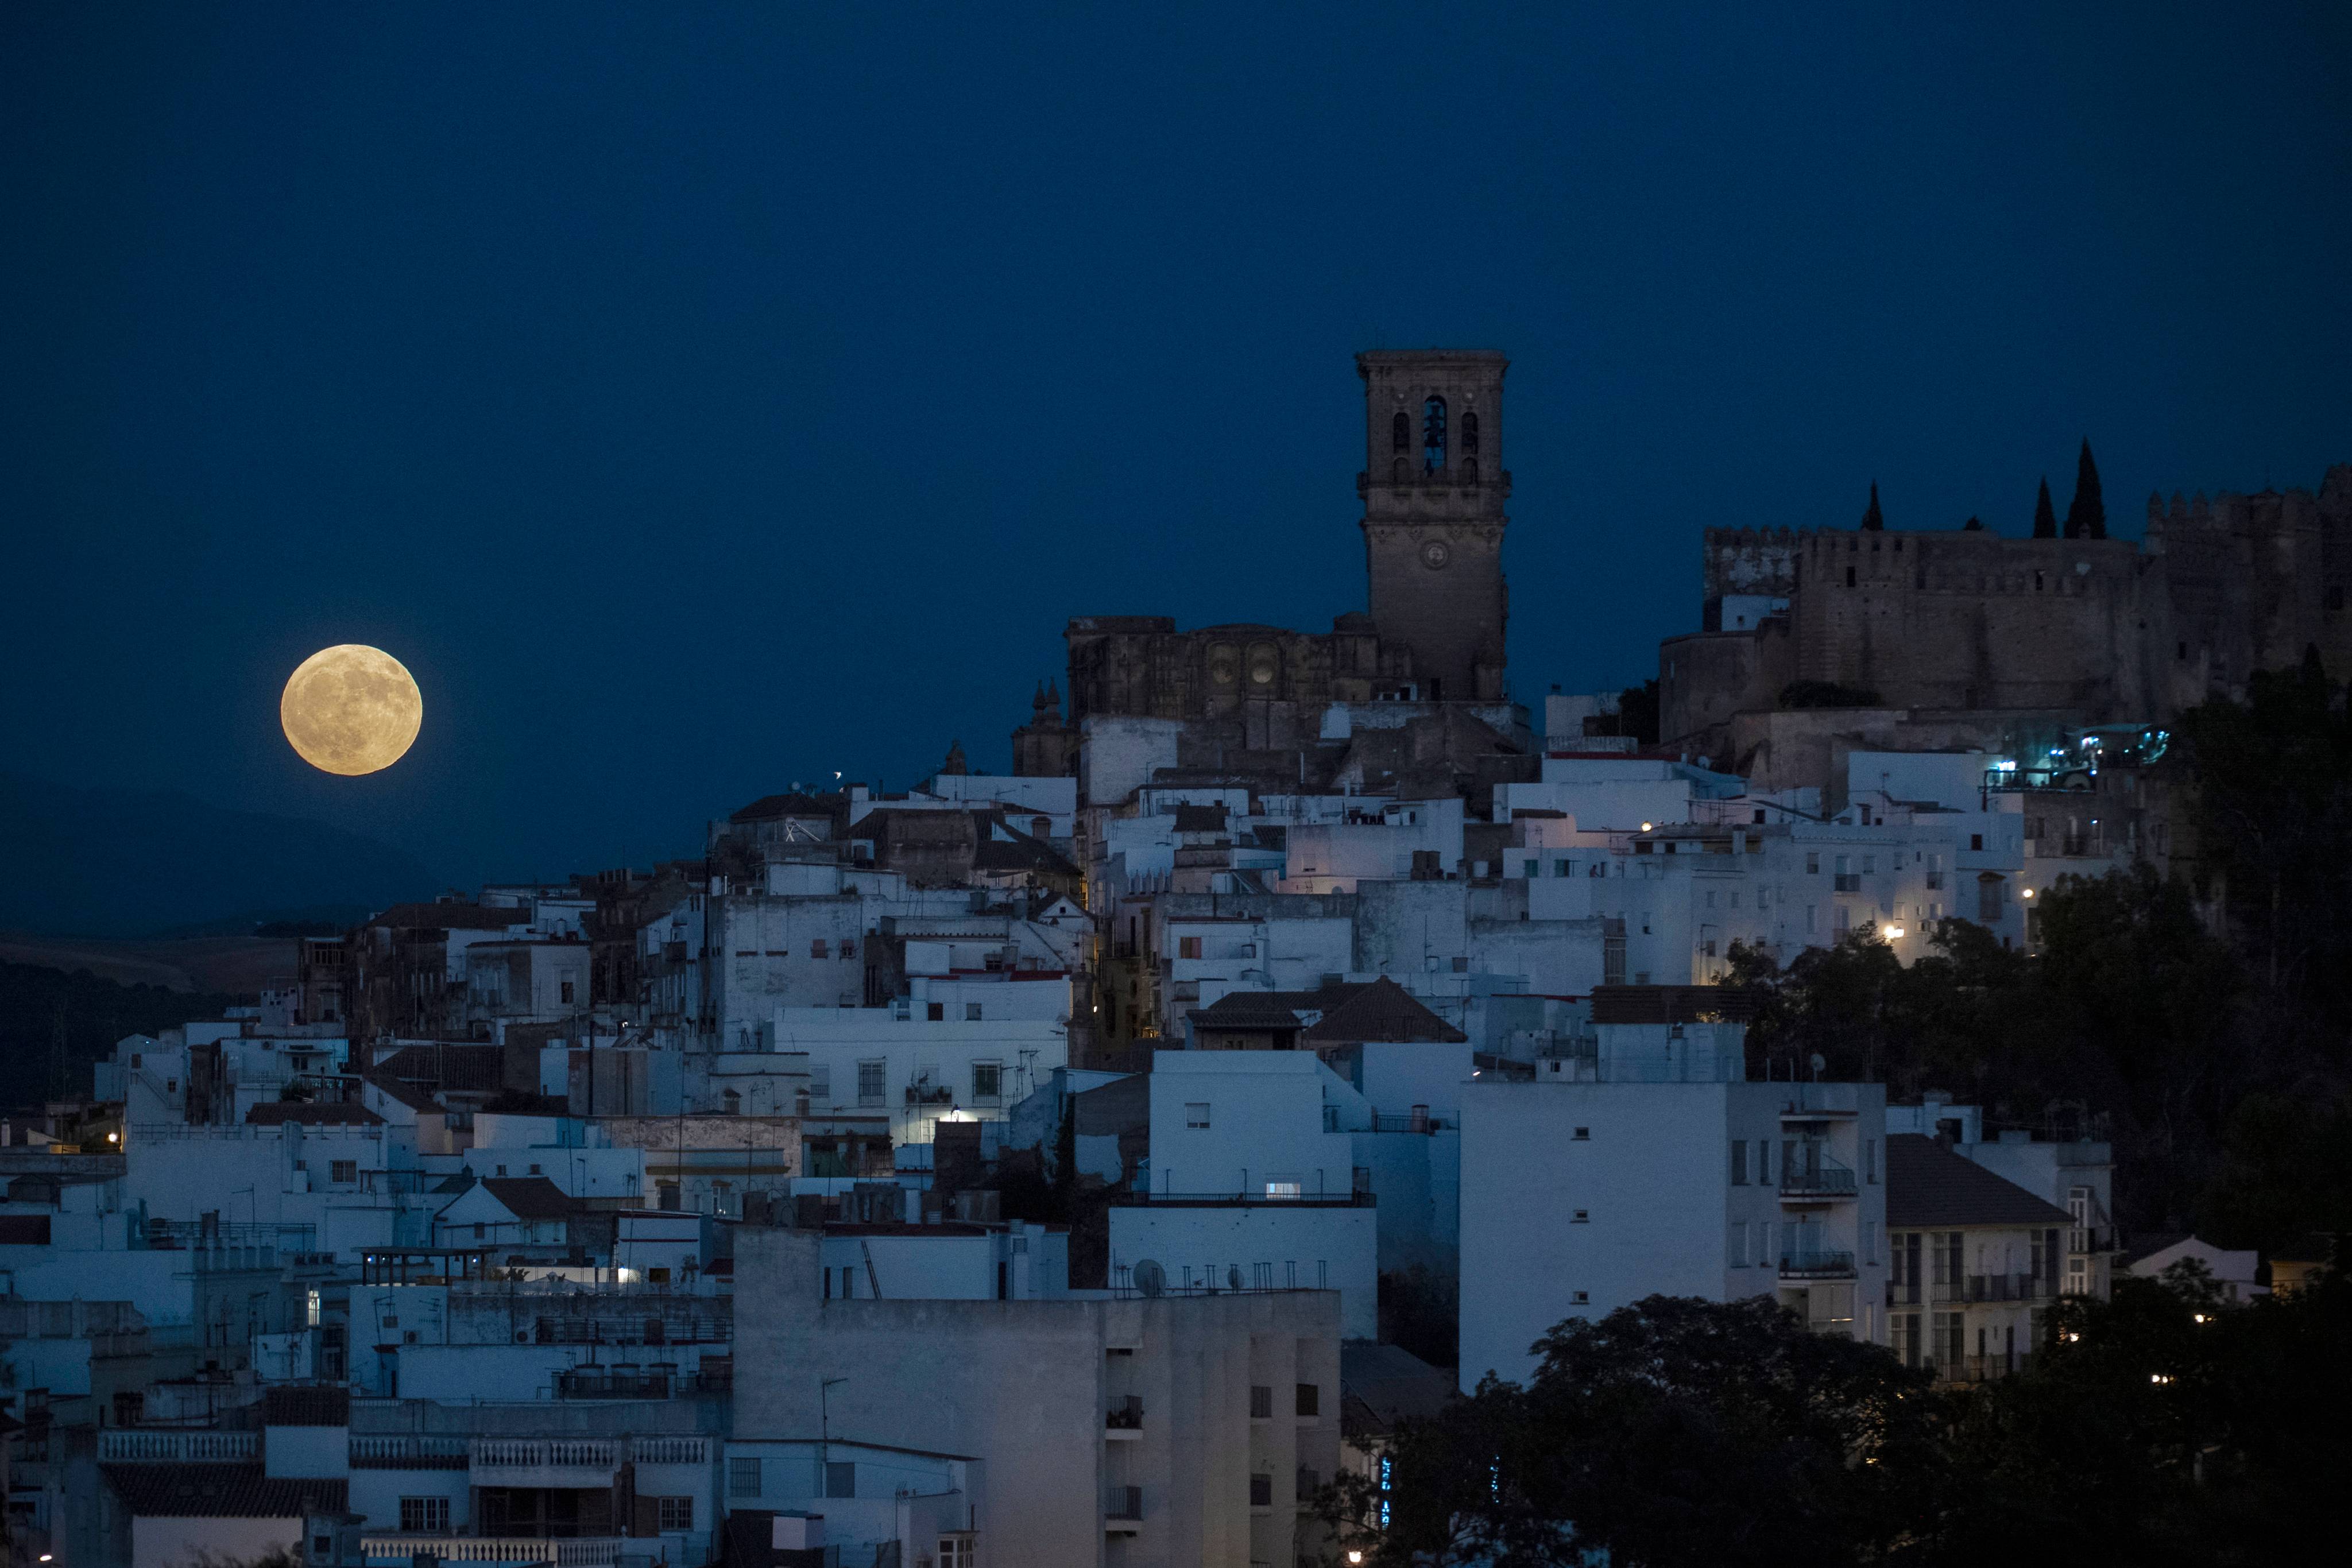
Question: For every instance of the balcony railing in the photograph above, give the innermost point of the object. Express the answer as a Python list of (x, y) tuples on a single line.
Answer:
[(1123, 1502), (612, 1385), (388, 1451), (1350, 1200), (1126, 1416), (178, 1447), (1819, 1177), (1970, 1288), (1417, 1123), (1821, 1264), (578, 1551)]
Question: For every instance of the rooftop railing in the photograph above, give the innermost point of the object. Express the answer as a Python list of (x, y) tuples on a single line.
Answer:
[(178, 1447), (578, 1551)]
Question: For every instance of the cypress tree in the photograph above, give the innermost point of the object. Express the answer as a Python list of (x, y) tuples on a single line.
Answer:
[(2086, 514), (1874, 521), (2046, 520)]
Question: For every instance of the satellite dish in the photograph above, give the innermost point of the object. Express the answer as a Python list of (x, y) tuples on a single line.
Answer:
[(1819, 1065), (1150, 1278)]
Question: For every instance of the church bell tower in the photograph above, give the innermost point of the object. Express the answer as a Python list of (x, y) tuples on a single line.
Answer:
[(1433, 488)]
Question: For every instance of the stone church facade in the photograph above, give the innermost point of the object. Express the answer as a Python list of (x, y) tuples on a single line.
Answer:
[(1433, 489)]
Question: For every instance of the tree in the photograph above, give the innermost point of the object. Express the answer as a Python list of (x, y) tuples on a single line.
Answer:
[(1671, 1431), (2045, 516), (2086, 514), (1873, 520)]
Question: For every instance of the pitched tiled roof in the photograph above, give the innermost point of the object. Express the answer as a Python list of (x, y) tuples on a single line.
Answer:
[(2149, 1244), (768, 807), (1352, 1013), (408, 1094), (1929, 1185), (530, 1198), (1383, 1384), (1382, 1010), (219, 1491), (460, 1067), (303, 1112)]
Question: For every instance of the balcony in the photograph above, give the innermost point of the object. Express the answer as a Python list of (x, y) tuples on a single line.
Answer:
[(388, 1451), (2092, 1239), (1417, 1122), (1817, 1265), (178, 1447), (581, 1551), (573, 1463), (1816, 1178), (1848, 882), (1124, 1421), (1970, 1289), (613, 1383), (1123, 1508)]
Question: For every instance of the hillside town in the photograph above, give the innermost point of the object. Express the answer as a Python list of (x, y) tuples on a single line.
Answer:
[(1096, 1151)]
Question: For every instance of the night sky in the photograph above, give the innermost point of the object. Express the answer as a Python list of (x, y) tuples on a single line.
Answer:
[(700, 398)]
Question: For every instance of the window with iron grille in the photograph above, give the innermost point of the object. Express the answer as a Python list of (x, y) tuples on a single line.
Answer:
[(743, 1478), (1310, 1399), (343, 1170), (1261, 1402), (870, 1082), (673, 1513), (1261, 1491)]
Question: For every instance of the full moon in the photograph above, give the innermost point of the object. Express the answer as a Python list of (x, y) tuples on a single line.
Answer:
[(351, 709)]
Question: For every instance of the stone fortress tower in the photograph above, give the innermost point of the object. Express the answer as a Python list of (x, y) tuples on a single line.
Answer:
[(1433, 488)]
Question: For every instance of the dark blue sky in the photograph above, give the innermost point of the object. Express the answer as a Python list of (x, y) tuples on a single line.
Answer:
[(700, 399)]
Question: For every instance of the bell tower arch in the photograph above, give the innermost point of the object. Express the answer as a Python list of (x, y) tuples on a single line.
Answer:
[(1433, 488)]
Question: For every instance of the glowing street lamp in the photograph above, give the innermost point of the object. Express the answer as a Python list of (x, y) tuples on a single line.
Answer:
[(1890, 932)]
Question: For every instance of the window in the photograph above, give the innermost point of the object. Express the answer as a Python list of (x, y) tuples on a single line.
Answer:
[(962, 1551), (816, 947), (1579, 1297), (343, 1170), (1261, 1402), (1739, 1162), (935, 1012), (1261, 1489), (1813, 863), (1976, 840), (743, 1478), (1196, 1114), (1309, 1483), (1469, 434), (1739, 1244), (1561, 868), (732, 1103), (1310, 1399), (673, 1513), (567, 990), (841, 1477), (971, 1012), (1764, 1162), (986, 1076), (1188, 946), (870, 1082), (1580, 1135), (1580, 1217), (1401, 433), (849, 948), (1870, 1160), (1530, 868), (1433, 435), (481, 1229), (424, 1515)]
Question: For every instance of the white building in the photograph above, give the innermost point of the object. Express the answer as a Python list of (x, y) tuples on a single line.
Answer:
[(1181, 1428), (1252, 1182), (1582, 1198)]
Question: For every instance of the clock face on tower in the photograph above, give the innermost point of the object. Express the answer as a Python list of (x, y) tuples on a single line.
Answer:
[(1436, 554)]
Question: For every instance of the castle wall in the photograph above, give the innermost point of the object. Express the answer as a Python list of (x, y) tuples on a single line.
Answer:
[(1972, 620), (1707, 676)]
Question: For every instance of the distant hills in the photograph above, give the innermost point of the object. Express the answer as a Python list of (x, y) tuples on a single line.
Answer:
[(143, 864)]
